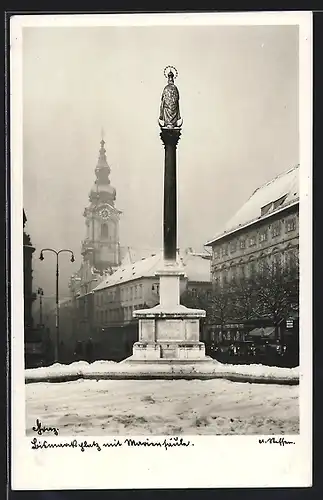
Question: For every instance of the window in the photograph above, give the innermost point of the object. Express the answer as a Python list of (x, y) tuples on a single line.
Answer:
[(277, 262), (194, 292), (290, 259), (262, 266), (290, 225), (279, 202), (276, 229), (136, 291), (216, 253), (242, 271), (140, 291), (233, 246), (252, 268), (225, 250), (242, 244), (104, 231), (263, 236), (252, 241), (225, 277), (265, 209)]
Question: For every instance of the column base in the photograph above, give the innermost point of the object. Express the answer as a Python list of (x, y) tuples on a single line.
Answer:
[(168, 351), (169, 335)]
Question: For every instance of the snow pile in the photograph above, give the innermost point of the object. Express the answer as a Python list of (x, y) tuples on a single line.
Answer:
[(163, 407), (261, 371), (111, 369)]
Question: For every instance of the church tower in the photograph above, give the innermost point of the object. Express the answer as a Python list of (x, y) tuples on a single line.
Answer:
[(101, 247)]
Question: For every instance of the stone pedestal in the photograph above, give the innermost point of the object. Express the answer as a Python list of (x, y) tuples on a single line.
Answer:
[(170, 331)]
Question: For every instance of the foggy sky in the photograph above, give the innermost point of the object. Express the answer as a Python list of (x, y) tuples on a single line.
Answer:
[(239, 102)]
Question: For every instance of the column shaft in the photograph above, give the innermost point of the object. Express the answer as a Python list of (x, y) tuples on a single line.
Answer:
[(170, 203)]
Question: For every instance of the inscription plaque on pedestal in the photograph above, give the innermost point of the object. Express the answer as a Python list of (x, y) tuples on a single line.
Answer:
[(147, 330), (192, 329), (170, 329)]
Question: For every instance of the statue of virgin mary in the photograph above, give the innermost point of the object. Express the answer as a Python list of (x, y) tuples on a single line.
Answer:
[(169, 116)]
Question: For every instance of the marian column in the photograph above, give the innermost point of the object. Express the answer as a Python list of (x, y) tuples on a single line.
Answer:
[(170, 123), (169, 332)]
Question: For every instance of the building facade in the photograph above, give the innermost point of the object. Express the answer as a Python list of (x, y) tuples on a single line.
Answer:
[(32, 336), (264, 231)]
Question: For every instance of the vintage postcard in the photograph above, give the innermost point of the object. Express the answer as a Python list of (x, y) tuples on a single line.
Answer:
[(161, 274)]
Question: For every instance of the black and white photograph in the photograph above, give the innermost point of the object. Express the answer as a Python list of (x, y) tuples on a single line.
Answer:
[(160, 249)]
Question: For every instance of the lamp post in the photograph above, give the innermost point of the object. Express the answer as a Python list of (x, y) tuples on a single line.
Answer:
[(41, 257), (40, 292)]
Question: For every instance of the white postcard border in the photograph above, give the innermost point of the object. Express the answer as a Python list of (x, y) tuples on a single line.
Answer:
[(213, 461)]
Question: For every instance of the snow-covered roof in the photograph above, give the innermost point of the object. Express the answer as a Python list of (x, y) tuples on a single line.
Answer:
[(195, 266), (272, 197), (130, 255)]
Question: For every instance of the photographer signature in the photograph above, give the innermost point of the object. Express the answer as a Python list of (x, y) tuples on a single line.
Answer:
[(272, 440), (40, 429)]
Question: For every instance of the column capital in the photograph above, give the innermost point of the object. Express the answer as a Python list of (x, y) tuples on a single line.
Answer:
[(170, 136)]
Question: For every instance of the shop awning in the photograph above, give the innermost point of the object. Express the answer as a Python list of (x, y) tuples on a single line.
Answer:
[(268, 332)]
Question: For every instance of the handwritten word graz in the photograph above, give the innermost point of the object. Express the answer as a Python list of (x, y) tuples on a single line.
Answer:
[(40, 429)]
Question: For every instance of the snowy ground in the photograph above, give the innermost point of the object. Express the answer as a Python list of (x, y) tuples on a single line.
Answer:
[(110, 368), (163, 407)]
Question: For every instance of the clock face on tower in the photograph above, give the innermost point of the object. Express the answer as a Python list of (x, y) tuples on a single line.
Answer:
[(104, 213)]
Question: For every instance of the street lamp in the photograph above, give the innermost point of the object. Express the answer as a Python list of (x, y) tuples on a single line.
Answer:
[(41, 257), (40, 292)]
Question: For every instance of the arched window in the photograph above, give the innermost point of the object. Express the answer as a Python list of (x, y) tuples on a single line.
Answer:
[(252, 268), (104, 230), (277, 261), (262, 264)]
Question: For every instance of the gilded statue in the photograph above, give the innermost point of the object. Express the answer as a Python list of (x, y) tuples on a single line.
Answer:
[(169, 116)]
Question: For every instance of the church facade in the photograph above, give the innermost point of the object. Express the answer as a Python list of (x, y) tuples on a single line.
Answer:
[(100, 248)]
